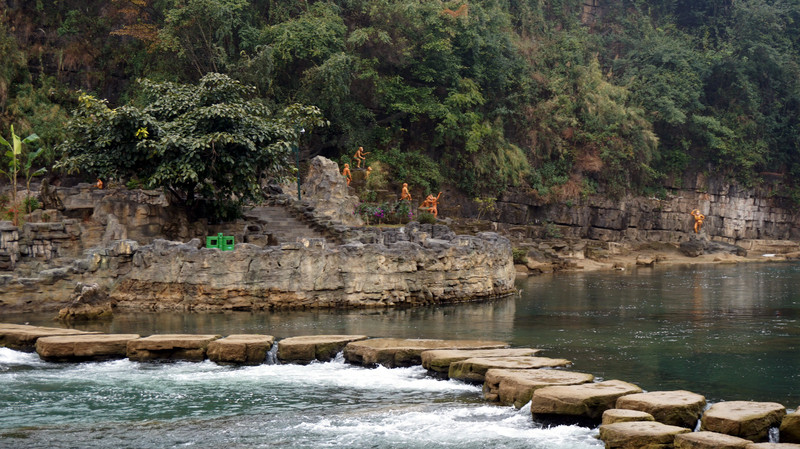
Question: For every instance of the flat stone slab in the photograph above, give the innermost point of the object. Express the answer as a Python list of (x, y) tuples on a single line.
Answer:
[(709, 440), (23, 337), (306, 349), (240, 349), (790, 428), (439, 360), (397, 352), (170, 347), (474, 370), (745, 419), (616, 415), (640, 434), (772, 446), (516, 386), (80, 348), (587, 401), (677, 408)]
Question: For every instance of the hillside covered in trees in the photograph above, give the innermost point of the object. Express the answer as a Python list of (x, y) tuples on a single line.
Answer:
[(557, 97)]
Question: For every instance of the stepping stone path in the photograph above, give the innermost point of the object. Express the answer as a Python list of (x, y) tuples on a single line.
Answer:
[(639, 434), (240, 349), (749, 420), (306, 349), (772, 446), (23, 337), (474, 370), (675, 408), (401, 352), (790, 428), (84, 347), (616, 415), (709, 440), (516, 386), (579, 402), (170, 347), (439, 360)]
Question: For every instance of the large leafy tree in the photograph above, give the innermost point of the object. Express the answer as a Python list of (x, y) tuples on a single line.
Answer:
[(208, 144)]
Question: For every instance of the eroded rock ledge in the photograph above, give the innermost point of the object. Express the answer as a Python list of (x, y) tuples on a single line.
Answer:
[(395, 267)]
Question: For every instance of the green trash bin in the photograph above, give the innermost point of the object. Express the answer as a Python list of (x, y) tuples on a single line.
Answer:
[(222, 242)]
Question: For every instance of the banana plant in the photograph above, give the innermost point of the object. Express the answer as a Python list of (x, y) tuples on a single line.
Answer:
[(14, 155)]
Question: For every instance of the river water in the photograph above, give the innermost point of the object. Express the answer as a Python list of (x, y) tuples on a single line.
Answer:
[(727, 332)]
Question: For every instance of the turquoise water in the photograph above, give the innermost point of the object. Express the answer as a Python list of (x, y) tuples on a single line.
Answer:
[(727, 332)]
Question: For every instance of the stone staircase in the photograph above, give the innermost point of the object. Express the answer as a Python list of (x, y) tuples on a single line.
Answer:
[(278, 222)]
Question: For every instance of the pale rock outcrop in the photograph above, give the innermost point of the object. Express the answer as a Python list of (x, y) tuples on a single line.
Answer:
[(709, 440), (396, 352), (516, 386), (88, 302), (676, 408), (579, 402), (306, 349), (639, 435), (170, 347), (80, 348), (745, 419), (616, 415), (474, 370), (240, 349), (772, 446), (325, 188), (439, 360)]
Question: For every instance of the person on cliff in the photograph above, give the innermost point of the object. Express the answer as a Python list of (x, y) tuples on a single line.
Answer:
[(99, 184), (360, 156), (698, 220), (431, 204), (404, 194), (346, 173)]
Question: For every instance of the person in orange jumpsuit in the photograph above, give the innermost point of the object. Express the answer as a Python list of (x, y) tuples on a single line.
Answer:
[(404, 194), (698, 220), (346, 173), (431, 204)]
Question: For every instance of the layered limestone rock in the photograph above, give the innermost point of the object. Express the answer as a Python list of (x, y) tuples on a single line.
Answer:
[(418, 270), (326, 189), (772, 446), (395, 352), (790, 428), (439, 360), (170, 347), (88, 302), (709, 440), (23, 337), (676, 408), (240, 349), (306, 349), (474, 370), (516, 386), (640, 434), (79, 348), (745, 419), (585, 402), (616, 415)]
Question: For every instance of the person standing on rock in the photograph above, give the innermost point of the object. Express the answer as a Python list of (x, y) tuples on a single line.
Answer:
[(360, 156), (404, 194), (698, 220), (346, 173)]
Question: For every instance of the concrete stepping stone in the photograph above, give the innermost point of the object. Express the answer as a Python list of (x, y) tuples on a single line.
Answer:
[(772, 446), (579, 403), (709, 440), (640, 434), (790, 428), (616, 415), (81, 348), (745, 419), (474, 370), (439, 360), (240, 349), (398, 352), (170, 347), (677, 408), (516, 386), (23, 337), (306, 349)]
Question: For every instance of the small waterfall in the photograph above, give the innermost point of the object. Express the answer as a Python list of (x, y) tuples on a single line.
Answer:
[(272, 356), (774, 434)]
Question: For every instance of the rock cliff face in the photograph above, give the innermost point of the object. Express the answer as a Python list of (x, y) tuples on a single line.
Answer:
[(402, 267)]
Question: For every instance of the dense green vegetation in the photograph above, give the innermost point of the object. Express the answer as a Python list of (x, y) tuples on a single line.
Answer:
[(539, 95)]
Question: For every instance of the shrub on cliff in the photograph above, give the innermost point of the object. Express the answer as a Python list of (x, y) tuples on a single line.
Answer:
[(208, 144)]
